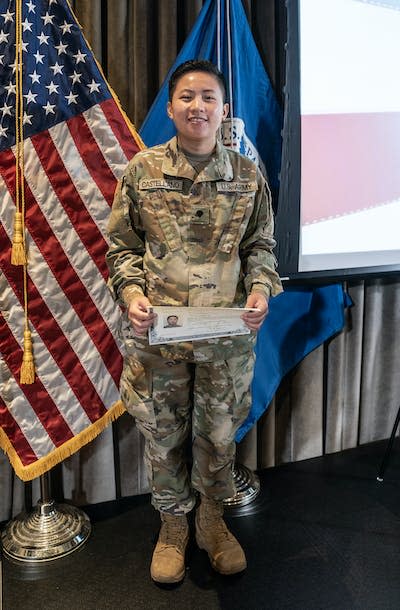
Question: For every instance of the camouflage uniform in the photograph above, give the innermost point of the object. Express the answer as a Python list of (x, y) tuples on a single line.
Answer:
[(190, 240)]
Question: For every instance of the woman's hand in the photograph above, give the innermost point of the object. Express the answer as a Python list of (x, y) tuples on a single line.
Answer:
[(139, 316), (254, 319)]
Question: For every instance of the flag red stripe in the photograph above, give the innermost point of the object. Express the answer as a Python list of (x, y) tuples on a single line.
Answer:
[(38, 397), (92, 157), (66, 276), (16, 436), (53, 337), (70, 199), (119, 127)]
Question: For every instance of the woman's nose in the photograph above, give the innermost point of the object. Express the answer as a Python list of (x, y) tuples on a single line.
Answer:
[(197, 102)]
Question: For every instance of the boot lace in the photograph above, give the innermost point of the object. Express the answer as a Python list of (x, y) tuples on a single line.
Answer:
[(213, 521), (173, 530)]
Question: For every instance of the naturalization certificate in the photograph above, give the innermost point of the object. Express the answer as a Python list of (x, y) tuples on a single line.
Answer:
[(175, 324)]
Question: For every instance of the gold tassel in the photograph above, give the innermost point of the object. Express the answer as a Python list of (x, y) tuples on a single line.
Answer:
[(27, 375), (18, 256)]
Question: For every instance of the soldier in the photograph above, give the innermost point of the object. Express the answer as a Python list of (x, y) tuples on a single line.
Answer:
[(191, 225)]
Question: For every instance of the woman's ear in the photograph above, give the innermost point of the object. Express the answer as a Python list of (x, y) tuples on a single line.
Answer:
[(169, 110)]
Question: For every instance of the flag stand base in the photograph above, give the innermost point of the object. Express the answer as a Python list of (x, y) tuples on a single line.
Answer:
[(49, 532), (247, 485)]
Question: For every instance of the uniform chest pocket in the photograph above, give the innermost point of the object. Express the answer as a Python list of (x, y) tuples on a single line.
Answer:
[(236, 225), (158, 222)]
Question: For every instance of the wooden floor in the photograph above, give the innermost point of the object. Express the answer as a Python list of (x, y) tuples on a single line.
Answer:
[(323, 534)]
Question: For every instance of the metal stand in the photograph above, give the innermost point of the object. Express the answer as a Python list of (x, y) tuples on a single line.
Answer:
[(51, 531), (247, 486), (388, 448)]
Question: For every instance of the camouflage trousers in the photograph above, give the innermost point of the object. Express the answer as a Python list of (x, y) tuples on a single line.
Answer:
[(189, 413)]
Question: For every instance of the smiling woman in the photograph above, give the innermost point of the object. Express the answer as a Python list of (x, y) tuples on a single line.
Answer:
[(219, 253), (197, 108)]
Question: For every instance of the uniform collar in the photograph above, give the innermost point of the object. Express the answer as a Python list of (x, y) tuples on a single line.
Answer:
[(175, 164)]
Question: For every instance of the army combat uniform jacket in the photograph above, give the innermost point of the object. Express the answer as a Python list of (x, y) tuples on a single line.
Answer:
[(184, 239)]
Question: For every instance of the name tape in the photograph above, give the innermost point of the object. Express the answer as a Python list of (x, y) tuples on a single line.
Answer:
[(160, 183)]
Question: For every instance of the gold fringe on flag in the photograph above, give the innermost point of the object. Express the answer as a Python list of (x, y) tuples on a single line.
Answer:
[(42, 465)]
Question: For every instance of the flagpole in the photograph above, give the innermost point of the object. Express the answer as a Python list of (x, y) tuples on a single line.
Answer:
[(49, 532), (246, 482)]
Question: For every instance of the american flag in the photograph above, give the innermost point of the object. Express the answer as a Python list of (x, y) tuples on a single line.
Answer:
[(77, 141)]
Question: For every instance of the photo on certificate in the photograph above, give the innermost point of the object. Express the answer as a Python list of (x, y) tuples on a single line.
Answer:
[(174, 324)]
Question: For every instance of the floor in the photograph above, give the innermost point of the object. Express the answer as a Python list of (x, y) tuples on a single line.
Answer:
[(323, 534)]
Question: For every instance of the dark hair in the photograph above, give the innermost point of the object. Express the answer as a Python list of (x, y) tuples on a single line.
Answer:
[(196, 65)]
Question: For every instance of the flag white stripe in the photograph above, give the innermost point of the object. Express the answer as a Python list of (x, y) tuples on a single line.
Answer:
[(108, 144), (87, 188)]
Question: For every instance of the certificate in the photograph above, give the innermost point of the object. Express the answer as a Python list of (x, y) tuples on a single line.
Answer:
[(175, 324)]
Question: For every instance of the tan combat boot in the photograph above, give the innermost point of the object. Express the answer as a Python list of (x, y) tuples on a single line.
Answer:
[(212, 535), (168, 563)]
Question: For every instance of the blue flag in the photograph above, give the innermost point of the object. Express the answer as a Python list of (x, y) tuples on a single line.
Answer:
[(299, 320), (224, 37), (302, 318)]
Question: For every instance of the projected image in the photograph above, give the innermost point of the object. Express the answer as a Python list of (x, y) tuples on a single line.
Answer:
[(350, 133)]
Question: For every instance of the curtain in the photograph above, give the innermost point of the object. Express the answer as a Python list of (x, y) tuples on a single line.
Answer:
[(343, 394), (137, 41)]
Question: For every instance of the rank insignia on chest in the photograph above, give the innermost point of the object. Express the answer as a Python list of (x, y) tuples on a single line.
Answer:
[(200, 215)]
